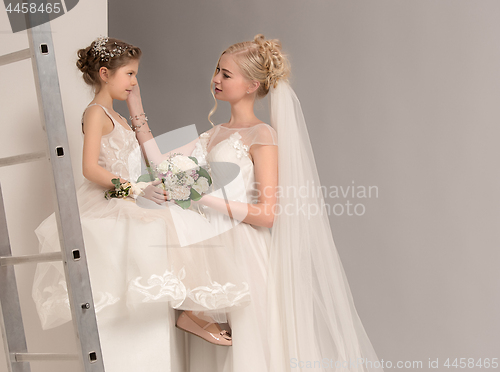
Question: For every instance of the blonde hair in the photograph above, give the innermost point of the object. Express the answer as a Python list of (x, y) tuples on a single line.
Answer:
[(259, 60)]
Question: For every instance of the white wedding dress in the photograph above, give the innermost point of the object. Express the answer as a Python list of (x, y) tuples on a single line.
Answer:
[(250, 349), (140, 270), (302, 315)]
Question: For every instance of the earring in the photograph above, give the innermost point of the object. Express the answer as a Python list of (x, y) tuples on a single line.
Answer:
[(248, 92)]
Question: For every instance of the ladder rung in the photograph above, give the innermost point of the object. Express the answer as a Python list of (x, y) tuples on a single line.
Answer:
[(42, 357), (42, 257), (15, 57), (24, 158)]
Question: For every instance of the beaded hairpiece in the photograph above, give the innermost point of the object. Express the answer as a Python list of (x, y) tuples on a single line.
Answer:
[(105, 54)]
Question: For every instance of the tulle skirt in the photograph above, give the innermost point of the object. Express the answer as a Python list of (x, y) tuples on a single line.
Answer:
[(141, 257)]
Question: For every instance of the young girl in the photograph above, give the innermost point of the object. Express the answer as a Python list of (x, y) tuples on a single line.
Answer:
[(138, 268), (301, 314)]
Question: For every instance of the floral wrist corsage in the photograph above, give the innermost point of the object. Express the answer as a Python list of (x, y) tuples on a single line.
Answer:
[(125, 189)]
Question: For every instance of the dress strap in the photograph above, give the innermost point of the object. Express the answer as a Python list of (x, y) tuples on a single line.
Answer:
[(97, 104), (105, 110)]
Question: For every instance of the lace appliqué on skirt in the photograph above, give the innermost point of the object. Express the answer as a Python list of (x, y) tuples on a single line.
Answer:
[(54, 300), (217, 295), (167, 288)]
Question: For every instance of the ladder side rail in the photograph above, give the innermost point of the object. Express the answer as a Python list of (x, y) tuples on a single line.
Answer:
[(10, 308), (67, 213)]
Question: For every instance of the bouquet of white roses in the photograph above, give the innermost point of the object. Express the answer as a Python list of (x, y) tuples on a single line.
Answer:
[(182, 178)]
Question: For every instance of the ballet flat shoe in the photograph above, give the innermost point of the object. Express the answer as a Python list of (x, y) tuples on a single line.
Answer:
[(223, 338)]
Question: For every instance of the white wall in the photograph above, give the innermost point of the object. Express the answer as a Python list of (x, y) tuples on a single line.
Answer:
[(26, 188)]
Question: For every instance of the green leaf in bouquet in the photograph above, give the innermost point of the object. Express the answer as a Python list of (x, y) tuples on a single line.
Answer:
[(151, 171), (193, 159), (195, 195), (203, 172), (184, 204), (145, 178)]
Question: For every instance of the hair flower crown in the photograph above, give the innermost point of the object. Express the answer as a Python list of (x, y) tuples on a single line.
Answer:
[(100, 50)]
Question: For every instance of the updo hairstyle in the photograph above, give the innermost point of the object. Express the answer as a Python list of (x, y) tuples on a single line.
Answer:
[(259, 60), (104, 52)]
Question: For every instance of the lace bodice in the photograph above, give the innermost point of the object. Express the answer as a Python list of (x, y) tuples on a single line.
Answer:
[(120, 152), (221, 145)]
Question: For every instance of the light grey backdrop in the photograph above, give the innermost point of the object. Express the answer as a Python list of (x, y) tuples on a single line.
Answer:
[(401, 95)]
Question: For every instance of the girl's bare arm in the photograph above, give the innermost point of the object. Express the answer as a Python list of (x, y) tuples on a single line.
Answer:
[(95, 124)]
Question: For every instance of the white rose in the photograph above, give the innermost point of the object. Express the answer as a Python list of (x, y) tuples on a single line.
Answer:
[(201, 185), (183, 163), (163, 166)]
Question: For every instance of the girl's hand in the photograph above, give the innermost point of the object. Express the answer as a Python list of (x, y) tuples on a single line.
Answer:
[(154, 193), (134, 98)]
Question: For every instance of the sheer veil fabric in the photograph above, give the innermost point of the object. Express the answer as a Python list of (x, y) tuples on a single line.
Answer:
[(313, 323)]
